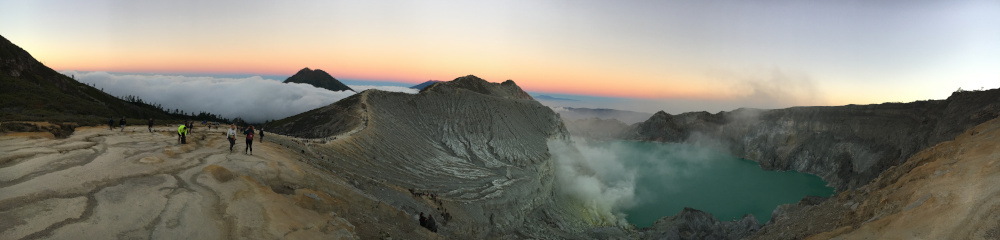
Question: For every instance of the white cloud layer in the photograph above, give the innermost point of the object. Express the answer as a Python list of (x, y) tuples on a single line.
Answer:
[(254, 99)]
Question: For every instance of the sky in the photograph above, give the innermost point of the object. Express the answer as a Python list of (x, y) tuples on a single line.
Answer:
[(631, 55)]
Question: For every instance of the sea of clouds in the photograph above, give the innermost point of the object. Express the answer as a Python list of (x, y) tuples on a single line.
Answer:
[(254, 99)]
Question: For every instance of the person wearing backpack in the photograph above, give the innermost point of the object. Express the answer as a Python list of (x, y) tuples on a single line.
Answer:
[(249, 132)]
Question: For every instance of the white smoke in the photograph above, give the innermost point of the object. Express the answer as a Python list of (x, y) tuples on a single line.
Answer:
[(602, 177), (254, 99), (594, 178)]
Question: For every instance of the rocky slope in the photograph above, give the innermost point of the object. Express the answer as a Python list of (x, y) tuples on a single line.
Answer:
[(694, 224), (947, 191), (847, 146), (480, 147), (318, 78), (31, 91)]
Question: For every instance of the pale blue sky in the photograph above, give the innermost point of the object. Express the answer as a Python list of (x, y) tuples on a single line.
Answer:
[(770, 53)]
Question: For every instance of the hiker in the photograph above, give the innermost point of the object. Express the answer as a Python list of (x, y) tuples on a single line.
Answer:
[(261, 135), (423, 220), (190, 126), (249, 133), (150, 124), (111, 123), (231, 135), (431, 224), (181, 132), (122, 122)]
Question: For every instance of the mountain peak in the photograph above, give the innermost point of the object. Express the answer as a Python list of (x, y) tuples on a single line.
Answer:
[(426, 84), (318, 78), (507, 89)]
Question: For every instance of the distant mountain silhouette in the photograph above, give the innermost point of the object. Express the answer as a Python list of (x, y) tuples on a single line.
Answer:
[(424, 85), (31, 91), (551, 98), (318, 78)]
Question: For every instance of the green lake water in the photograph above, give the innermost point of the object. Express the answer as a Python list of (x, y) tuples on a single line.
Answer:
[(669, 177)]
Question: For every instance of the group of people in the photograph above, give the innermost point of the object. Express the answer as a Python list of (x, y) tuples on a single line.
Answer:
[(428, 222), (111, 123), (248, 133), (187, 127)]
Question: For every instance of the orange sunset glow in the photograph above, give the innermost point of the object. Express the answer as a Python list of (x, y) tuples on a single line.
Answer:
[(645, 51)]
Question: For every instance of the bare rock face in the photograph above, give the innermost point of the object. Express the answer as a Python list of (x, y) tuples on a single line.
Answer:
[(507, 89), (695, 224), (943, 192), (847, 146), (479, 148)]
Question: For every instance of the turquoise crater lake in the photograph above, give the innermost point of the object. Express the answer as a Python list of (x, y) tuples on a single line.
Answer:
[(669, 177)]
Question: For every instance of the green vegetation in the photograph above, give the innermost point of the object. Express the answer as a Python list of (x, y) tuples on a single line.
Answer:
[(33, 92)]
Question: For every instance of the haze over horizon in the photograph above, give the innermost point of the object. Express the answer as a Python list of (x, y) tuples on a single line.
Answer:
[(644, 56)]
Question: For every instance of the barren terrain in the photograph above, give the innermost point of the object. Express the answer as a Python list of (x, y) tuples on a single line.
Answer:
[(103, 184)]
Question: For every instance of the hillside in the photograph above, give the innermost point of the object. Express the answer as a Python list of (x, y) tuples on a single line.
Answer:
[(31, 91), (481, 147), (318, 78), (847, 146), (947, 191)]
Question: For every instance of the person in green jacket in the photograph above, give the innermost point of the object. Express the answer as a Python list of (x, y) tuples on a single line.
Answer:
[(182, 135)]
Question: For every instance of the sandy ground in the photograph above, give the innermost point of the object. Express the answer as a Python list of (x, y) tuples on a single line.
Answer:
[(103, 184), (949, 191)]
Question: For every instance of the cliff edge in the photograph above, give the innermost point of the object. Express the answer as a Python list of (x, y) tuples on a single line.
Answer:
[(947, 191), (847, 146)]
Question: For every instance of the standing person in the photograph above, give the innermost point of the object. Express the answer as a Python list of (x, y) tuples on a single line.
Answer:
[(111, 123), (249, 133), (190, 126), (261, 135), (180, 134), (122, 122), (231, 135), (150, 124)]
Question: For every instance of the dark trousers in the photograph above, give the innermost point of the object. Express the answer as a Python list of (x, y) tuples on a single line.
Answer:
[(232, 141), (249, 146)]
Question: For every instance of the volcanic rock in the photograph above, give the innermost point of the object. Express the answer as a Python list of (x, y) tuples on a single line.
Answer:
[(318, 78), (847, 146)]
